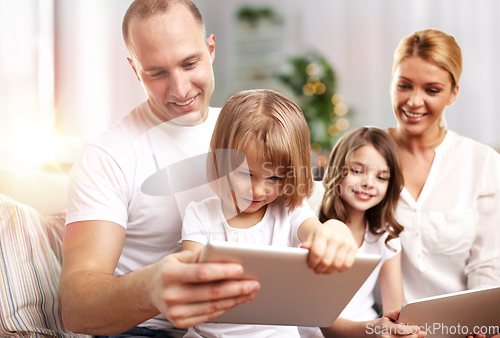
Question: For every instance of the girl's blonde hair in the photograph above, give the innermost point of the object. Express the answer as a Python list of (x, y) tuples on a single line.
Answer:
[(433, 46), (277, 123), (380, 217)]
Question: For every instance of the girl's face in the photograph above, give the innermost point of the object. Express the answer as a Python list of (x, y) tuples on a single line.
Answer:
[(256, 184), (420, 91), (367, 180)]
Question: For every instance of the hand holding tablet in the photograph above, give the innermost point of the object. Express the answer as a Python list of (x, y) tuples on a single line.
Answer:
[(291, 293), (458, 314)]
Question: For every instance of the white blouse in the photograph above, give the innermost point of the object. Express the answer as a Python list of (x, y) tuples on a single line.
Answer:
[(451, 240), (360, 308)]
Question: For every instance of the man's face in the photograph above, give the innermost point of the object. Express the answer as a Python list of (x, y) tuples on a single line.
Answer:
[(173, 60)]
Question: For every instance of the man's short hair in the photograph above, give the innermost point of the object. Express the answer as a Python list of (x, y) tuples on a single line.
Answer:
[(144, 9)]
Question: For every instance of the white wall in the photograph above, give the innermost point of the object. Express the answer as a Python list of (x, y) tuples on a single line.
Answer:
[(95, 86), (359, 37)]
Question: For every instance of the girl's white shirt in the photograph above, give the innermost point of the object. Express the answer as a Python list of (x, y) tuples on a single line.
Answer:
[(278, 227), (451, 240), (205, 220), (360, 308)]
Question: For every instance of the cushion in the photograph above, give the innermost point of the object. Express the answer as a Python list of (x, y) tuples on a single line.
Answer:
[(29, 272), (54, 227), (44, 192)]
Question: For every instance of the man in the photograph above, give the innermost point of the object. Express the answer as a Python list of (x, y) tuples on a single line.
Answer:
[(120, 265)]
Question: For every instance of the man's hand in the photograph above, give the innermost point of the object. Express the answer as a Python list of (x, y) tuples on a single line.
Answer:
[(331, 247), (96, 302), (189, 294)]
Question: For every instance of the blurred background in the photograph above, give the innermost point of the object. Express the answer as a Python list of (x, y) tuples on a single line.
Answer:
[(64, 76)]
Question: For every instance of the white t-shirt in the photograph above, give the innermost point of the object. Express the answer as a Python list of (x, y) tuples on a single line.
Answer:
[(205, 220), (105, 184), (360, 308), (451, 240)]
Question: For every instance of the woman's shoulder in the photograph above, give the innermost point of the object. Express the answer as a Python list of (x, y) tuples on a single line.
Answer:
[(461, 141), (467, 148)]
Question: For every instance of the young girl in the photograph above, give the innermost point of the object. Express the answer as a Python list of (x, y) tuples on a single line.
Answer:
[(362, 186), (260, 198)]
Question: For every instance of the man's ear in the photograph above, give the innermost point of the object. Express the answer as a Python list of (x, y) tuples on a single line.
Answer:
[(211, 46), (131, 63)]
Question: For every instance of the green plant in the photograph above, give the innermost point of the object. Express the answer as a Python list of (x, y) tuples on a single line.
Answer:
[(313, 82), (252, 15)]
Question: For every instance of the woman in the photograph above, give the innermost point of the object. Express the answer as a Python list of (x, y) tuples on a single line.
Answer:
[(450, 203)]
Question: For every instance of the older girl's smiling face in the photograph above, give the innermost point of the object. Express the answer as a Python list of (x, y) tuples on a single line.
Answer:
[(367, 180), (420, 92)]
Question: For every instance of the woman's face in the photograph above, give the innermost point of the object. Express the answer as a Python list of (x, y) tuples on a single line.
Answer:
[(420, 91)]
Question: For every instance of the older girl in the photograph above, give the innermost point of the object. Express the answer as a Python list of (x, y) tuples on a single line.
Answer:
[(362, 184)]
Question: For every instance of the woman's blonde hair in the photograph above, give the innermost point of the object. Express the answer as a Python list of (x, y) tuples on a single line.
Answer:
[(380, 217), (277, 123), (433, 46)]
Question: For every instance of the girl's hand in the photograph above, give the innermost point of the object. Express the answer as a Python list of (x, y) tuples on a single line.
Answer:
[(386, 327), (331, 247)]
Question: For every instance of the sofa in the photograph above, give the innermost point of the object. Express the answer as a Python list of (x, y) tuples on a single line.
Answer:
[(32, 215), (31, 228)]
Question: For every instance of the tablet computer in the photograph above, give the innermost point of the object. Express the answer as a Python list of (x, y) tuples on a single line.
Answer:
[(290, 293), (455, 314)]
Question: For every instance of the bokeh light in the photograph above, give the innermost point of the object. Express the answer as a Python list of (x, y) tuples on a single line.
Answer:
[(321, 161), (316, 148), (312, 69), (38, 146), (319, 88), (308, 89), (342, 124), (340, 109), (333, 130), (337, 99), (312, 80)]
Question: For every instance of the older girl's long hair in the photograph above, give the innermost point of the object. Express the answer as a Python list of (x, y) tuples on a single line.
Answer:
[(380, 217)]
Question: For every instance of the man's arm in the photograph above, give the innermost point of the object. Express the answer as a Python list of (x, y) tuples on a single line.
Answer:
[(94, 301)]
